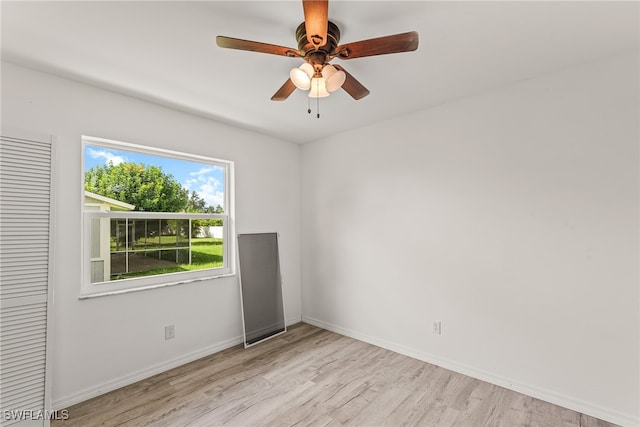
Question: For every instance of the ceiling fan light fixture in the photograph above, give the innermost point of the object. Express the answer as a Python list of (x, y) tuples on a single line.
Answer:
[(301, 76), (318, 88), (333, 77), (318, 43)]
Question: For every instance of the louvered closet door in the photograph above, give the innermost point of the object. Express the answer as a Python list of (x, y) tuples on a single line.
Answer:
[(25, 212)]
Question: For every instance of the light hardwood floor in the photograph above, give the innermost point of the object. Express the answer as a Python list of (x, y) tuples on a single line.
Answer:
[(312, 377)]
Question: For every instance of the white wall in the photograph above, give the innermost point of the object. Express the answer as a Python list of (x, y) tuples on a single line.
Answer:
[(106, 342), (515, 223), (515, 218)]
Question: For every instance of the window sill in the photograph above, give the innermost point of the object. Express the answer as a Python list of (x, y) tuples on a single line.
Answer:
[(156, 286)]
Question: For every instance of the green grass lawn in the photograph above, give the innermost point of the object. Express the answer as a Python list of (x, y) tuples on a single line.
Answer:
[(206, 252)]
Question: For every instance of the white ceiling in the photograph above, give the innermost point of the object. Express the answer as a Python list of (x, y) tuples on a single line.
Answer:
[(165, 52)]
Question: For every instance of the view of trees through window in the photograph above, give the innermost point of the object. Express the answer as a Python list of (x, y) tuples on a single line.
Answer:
[(152, 214)]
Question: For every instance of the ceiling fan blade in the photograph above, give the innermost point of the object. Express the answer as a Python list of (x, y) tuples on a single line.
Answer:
[(405, 42), (352, 86), (231, 43), (316, 21), (283, 93)]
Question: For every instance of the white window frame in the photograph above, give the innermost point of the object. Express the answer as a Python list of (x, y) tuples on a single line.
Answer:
[(89, 289)]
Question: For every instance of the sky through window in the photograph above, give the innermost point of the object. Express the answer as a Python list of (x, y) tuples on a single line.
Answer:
[(205, 179)]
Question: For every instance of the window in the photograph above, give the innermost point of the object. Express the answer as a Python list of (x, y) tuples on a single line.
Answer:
[(152, 217)]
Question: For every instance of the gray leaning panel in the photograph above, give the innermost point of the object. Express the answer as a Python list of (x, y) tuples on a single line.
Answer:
[(260, 287)]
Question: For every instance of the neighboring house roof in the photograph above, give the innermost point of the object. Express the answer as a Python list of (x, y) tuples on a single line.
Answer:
[(114, 205)]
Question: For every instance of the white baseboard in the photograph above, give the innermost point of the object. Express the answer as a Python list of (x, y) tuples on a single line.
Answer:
[(294, 320), (539, 393), (98, 389)]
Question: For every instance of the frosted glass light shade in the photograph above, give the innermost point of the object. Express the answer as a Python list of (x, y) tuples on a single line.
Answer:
[(301, 76), (333, 78), (318, 88)]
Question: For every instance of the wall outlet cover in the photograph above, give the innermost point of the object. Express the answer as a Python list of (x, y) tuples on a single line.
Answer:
[(169, 332)]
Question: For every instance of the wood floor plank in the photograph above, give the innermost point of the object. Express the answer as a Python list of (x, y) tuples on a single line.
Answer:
[(312, 377)]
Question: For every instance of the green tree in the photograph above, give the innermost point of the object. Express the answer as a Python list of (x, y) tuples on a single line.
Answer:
[(196, 204), (213, 222), (146, 187)]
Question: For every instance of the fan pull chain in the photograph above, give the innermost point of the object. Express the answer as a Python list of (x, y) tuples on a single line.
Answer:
[(317, 101), (318, 98)]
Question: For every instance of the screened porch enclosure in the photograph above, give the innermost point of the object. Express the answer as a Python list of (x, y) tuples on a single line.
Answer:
[(138, 245), (127, 245)]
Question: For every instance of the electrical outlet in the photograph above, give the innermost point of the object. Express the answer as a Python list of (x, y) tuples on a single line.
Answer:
[(169, 332), (437, 327)]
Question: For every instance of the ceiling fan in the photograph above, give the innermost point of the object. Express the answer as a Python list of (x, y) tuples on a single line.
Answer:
[(318, 40)]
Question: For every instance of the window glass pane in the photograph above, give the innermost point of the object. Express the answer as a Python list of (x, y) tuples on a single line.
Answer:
[(147, 247), (142, 244), (129, 180), (208, 250)]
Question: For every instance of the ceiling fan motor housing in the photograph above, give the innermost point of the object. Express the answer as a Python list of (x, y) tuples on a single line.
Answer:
[(323, 54)]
